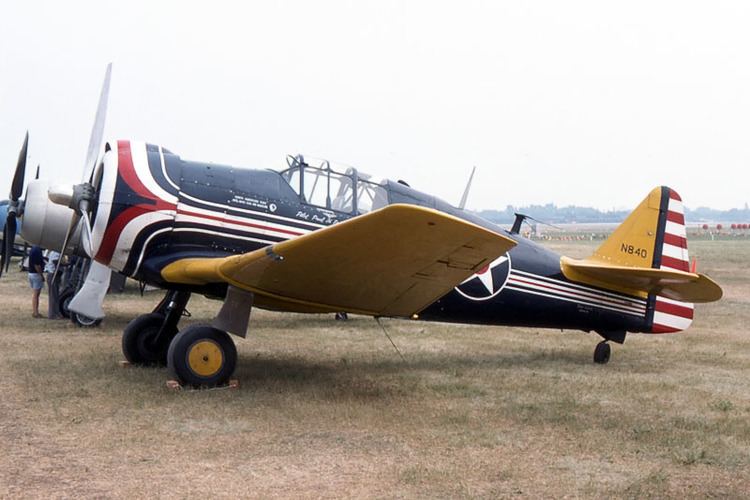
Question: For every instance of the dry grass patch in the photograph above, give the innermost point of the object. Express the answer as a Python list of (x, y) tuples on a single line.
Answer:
[(328, 408)]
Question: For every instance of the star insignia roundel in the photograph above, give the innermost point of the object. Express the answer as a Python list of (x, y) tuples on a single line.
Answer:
[(488, 282)]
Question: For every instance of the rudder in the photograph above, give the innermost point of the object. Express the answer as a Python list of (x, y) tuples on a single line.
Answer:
[(671, 253)]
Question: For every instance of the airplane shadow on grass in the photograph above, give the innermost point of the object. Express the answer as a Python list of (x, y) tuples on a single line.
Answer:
[(381, 377), (376, 379)]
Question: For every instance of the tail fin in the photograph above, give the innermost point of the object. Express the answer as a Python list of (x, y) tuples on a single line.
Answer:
[(652, 236), (647, 256)]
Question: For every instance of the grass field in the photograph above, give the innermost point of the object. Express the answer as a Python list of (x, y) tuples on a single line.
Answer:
[(328, 408)]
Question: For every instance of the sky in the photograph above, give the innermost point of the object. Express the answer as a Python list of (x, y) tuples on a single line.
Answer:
[(590, 103)]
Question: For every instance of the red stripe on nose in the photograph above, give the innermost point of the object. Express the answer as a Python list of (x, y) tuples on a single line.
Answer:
[(126, 171)]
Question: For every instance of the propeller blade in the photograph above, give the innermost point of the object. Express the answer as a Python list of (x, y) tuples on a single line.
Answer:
[(88, 300), (4, 253), (71, 229), (37, 172), (97, 132), (16, 189), (86, 234), (9, 237)]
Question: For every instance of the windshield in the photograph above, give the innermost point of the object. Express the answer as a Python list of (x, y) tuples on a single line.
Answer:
[(341, 189)]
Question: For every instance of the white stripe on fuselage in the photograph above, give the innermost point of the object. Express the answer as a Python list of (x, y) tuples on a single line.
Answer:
[(574, 301), (164, 170), (223, 235), (596, 291), (227, 219), (131, 231), (569, 293), (139, 154)]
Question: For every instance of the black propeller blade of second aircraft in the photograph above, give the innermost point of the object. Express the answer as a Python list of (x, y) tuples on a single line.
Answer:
[(16, 190)]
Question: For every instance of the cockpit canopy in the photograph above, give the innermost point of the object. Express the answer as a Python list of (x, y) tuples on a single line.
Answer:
[(340, 188)]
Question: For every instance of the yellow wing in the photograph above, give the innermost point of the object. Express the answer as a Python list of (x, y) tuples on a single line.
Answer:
[(392, 262), (673, 284)]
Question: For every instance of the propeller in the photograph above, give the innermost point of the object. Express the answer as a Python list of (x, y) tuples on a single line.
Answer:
[(16, 189), (80, 197), (97, 131)]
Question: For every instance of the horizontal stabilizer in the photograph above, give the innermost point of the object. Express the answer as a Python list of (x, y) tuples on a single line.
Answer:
[(673, 284), (391, 262)]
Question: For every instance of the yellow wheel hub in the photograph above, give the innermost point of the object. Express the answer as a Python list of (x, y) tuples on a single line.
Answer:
[(205, 358)]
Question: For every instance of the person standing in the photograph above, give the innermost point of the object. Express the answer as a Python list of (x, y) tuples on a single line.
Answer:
[(36, 279), (53, 304)]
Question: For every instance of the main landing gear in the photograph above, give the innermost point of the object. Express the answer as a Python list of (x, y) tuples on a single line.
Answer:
[(199, 355), (146, 339), (202, 356)]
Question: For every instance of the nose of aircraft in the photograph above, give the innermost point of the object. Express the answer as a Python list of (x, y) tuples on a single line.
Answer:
[(45, 223)]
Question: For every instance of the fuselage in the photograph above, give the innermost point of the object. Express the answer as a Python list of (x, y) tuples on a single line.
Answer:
[(155, 208)]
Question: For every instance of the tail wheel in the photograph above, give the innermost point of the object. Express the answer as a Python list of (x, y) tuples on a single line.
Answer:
[(139, 341), (202, 356), (602, 353)]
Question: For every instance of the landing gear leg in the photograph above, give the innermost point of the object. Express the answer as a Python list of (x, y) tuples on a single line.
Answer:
[(602, 353), (146, 339)]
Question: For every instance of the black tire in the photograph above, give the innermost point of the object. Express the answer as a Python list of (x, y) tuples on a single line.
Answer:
[(64, 301), (602, 353), (84, 321), (137, 341), (202, 356)]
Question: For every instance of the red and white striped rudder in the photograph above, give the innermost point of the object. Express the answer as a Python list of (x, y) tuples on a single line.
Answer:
[(671, 253)]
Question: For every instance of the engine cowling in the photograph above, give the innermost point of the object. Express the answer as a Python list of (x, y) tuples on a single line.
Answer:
[(45, 223)]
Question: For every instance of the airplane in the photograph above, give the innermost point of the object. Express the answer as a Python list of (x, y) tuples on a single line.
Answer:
[(315, 238), (17, 243), (16, 246)]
